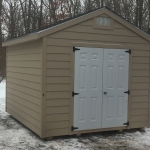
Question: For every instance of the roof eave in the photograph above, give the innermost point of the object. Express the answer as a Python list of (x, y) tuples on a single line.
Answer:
[(27, 38), (91, 15), (128, 25), (52, 30), (73, 22)]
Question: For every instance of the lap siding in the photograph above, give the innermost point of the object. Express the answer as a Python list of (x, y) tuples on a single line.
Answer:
[(139, 124), (140, 99), (25, 57), (58, 87), (137, 112), (58, 102), (25, 64), (29, 91), (140, 79), (15, 51), (57, 117), (22, 95), (28, 71), (83, 29), (142, 86), (57, 132), (24, 121), (24, 102), (89, 22), (140, 53), (26, 116), (32, 85), (58, 65), (51, 80), (24, 84), (58, 110), (24, 109), (139, 116), (140, 105), (57, 95), (59, 42), (140, 66), (59, 73), (97, 37), (57, 125), (27, 77)]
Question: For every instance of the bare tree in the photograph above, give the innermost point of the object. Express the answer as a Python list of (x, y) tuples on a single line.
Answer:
[(140, 13), (148, 26), (18, 17), (1, 21), (23, 16), (2, 50)]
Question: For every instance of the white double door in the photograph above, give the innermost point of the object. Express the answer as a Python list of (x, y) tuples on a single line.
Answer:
[(101, 78)]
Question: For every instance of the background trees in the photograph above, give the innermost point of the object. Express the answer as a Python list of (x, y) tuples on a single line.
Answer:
[(2, 51), (23, 16), (19, 17)]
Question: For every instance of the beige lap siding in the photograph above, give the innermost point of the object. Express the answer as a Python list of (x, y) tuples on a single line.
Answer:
[(140, 89), (59, 73), (24, 84), (58, 90)]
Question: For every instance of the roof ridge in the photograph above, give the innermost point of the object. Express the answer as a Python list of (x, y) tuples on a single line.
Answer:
[(72, 18)]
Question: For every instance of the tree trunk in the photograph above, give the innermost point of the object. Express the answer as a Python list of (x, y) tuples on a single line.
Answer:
[(137, 13), (41, 14), (53, 13), (102, 3), (1, 23), (140, 13), (23, 9), (29, 17), (149, 16)]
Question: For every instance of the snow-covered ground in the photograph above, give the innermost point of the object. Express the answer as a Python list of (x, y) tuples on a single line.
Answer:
[(15, 136), (2, 92)]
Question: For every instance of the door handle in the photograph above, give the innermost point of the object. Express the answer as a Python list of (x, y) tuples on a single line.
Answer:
[(105, 92)]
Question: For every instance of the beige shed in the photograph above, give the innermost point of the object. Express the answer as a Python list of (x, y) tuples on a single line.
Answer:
[(88, 74)]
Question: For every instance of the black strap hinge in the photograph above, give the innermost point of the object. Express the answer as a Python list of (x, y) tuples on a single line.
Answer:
[(73, 94), (74, 128), (129, 51), (126, 124), (127, 92), (75, 49)]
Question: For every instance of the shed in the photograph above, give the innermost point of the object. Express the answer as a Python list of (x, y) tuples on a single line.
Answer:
[(88, 74)]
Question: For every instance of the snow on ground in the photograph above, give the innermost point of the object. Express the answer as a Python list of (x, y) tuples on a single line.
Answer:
[(15, 136), (2, 92)]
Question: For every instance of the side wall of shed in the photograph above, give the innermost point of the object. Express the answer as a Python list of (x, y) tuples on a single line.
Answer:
[(59, 73), (23, 97)]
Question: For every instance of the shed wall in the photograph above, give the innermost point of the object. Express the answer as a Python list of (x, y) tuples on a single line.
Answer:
[(59, 76), (58, 90), (23, 98)]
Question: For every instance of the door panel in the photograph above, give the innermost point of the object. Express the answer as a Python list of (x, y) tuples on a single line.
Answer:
[(88, 83), (101, 78), (115, 83)]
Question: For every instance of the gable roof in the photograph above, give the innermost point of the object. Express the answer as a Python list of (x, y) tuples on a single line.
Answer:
[(73, 21)]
